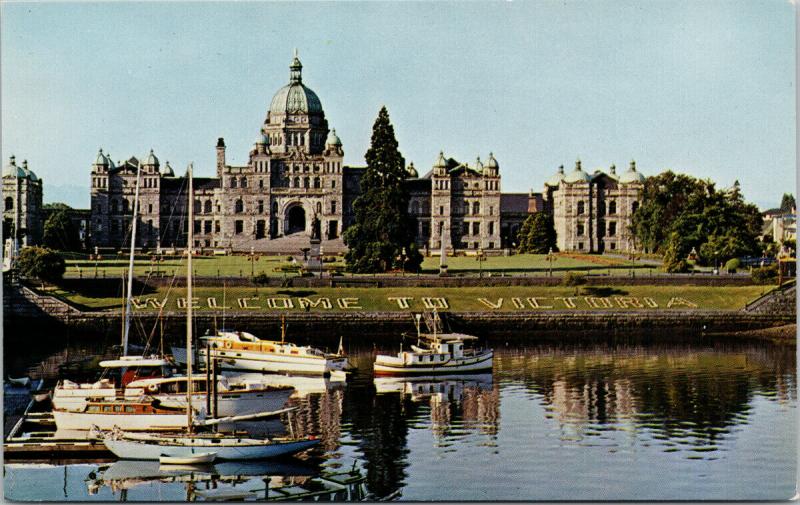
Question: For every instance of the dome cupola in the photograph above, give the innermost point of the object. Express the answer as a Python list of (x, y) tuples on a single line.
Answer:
[(151, 159), (412, 172), (28, 173), (295, 97), (167, 171), (577, 175), (101, 160), (333, 139), (440, 162), (492, 163), (631, 176), (556, 178), (111, 165), (478, 165), (12, 170)]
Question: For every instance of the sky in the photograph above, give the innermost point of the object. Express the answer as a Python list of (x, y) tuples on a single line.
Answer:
[(701, 87)]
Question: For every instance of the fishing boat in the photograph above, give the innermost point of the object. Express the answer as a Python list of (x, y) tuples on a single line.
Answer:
[(201, 458), (240, 350), (435, 354), (186, 443)]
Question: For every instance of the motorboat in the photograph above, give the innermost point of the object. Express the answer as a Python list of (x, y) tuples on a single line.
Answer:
[(129, 415), (435, 354), (240, 350)]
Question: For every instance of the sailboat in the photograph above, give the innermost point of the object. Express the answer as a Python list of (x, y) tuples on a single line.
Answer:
[(153, 446)]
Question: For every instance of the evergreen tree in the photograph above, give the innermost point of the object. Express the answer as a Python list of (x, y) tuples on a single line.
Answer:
[(41, 263), (59, 232), (537, 234), (787, 202), (383, 228)]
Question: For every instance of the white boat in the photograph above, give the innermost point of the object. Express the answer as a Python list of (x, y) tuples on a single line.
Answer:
[(240, 350), (435, 354), (127, 415), (153, 446), (303, 385), (117, 374), (193, 459)]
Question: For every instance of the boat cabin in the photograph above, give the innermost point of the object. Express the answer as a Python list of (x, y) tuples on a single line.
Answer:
[(127, 369)]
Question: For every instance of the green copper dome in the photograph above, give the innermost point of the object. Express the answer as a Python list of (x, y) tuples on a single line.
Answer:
[(295, 97), (333, 139), (151, 159), (12, 170), (631, 176), (28, 173), (167, 171), (101, 159), (440, 162), (577, 175), (556, 178), (412, 171)]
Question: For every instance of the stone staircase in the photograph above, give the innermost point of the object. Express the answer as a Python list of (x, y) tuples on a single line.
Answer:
[(782, 300), (292, 244)]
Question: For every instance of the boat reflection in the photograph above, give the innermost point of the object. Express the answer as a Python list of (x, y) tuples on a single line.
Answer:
[(470, 401), (303, 385), (233, 480)]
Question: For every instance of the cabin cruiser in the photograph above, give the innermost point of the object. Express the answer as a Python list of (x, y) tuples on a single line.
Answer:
[(436, 354), (240, 350)]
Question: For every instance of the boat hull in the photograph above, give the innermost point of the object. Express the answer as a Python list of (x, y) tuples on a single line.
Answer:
[(83, 421), (186, 448), (236, 403), (455, 366), (273, 363)]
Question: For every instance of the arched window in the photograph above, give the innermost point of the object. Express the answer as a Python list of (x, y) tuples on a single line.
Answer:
[(612, 207), (244, 182), (9, 203), (238, 206), (125, 205), (233, 182), (581, 207), (476, 208), (207, 207), (306, 182), (316, 183), (274, 208), (634, 206), (296, 182), (333, 207), (415, 207), (319, 208), (261, 183)]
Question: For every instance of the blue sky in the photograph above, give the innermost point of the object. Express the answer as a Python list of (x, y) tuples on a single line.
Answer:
[(702, 87)]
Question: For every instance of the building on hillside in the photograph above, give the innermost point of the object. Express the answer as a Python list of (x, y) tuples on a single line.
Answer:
[(592, 212), (779, 225), (22, 204)]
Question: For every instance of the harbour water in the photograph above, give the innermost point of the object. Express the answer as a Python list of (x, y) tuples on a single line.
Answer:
[(629, 419)]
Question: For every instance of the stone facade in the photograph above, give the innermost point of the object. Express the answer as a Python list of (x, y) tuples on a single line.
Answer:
[(22, 204), (592, 213)]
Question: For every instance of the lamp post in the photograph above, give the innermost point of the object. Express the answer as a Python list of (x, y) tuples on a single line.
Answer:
[(403, 260), (480, 257), (96, 258), (632, 257), (716, 269), (551, 257), (252, 259), (320, 262)]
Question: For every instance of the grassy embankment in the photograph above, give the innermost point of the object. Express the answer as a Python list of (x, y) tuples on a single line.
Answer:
[(496, 299)]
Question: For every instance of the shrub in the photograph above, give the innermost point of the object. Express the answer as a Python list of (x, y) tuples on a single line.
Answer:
[(573, 279), (732, 265), (765, 275), (41, 263), (261, 278)]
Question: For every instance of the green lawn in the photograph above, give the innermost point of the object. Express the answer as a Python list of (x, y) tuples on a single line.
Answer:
[(505, 299), (274, 266)]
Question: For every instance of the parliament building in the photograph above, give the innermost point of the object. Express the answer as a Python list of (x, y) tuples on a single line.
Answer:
[(295, 186)]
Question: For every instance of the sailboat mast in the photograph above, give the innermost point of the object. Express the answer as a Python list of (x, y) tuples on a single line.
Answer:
[(127, 329), (189, 244)]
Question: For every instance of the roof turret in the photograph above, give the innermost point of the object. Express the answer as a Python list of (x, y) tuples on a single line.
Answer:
[(28, 173), (333, 139), (556, 178), (101, 159), (492, 163), (151, 159), (412, 171), (167, 170), (12, 170), (631, 176), (295, 97), (577, 175), (440, 162)]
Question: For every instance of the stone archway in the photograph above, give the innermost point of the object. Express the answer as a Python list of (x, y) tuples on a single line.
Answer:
[(296, 219)]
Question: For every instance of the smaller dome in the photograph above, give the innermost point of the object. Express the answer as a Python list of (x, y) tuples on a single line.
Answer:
[(333, 139), (478, 164), (151, 159), (412, 172), (167, 170), (28, 173), (110, 162), (101, 160), (631, 176), (556, 178), (440, 162), (577, 175), (261, 140), (492, 163), (12, 170)]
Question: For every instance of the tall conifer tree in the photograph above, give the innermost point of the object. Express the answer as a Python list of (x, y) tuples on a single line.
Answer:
[(383, 228)]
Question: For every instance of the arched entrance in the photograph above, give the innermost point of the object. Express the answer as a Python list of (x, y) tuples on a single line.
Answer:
[(296, 218)]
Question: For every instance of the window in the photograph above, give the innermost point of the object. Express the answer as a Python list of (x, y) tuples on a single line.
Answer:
[(261, 206), (238, 207), (612, 229), (306, 182), (634, 207), (319, 207), (333, 207), (476, 228), (333, 183), (207, 226), (580, 246), (149, 208), (261, 183), (612, 207), (580, 231), (441, 210), (197, 226), (491, 227), (316, 183), (244, 182), (10, 204), (238, 226), (491, 211), (233, 182), (491, 245), (207, 207), (476, 208), (198, 206), (296, 182), (465, 228), (581, 207), (613, 245), (415, 207), (216, 227), (125, 206), (426, 229)]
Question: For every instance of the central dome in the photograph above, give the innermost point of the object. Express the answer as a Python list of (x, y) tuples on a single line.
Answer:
[(295, 98)]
